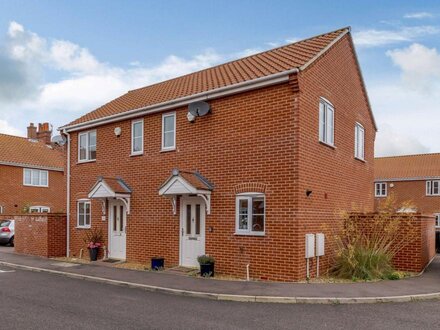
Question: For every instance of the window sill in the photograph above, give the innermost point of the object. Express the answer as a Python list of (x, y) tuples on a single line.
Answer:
[(250, 234), (85, 161), (332, 146), (137, 154), (83, 227), (168, 150), (360, 159), (34, 186)]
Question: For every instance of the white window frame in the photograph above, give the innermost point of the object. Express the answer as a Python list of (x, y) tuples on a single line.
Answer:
[(359, 145), (39, 209), (430, 189), (437, 220), (87, 159), (84, 201), (133, 123), (35, 172), (1, 209), (326, 126), (173, 147), (249, 196), (380, 189)]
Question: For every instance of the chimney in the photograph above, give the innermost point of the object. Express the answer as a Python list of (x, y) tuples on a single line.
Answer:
[(44, 133), (32, 132)]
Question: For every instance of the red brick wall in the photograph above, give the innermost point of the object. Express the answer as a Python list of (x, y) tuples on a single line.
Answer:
[(338, 181), (414, 191), (14, 196), (266, 139), (41, 234), (417, 253)]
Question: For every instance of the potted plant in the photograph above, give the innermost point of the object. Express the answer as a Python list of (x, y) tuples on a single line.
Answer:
[(93, 240), (206, 265)]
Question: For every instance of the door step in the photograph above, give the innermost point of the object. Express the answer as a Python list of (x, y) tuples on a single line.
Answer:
[(113, 261)]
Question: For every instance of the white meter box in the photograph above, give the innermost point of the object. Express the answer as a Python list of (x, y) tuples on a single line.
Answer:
[(310, 246), (320, 244)]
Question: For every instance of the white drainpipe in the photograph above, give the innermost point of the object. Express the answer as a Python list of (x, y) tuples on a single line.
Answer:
[(68, 196)]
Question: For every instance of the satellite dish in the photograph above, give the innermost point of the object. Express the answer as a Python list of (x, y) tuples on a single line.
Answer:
[(199, 108), (59, 139)]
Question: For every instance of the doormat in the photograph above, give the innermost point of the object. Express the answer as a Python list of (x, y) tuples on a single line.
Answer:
[(112, 261)]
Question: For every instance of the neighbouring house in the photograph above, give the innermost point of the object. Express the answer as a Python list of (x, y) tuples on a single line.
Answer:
[(414, 178), (31, 173), (238, 161)]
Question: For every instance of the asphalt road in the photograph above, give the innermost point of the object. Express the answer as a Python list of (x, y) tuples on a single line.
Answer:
[(32, 300)]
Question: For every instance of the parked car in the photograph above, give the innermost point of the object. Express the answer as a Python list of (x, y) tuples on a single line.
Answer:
[(7, 232)]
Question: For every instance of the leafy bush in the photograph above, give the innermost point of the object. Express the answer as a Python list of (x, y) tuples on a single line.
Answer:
[(365, 249), (205, 259)]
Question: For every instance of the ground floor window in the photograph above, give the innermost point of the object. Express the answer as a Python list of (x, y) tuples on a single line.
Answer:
[(39, 209), (1, 209), (437, 220), (250, 214), (380, 189), (84, 214)]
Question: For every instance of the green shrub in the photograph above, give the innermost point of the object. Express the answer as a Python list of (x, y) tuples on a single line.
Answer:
[(205, 259)]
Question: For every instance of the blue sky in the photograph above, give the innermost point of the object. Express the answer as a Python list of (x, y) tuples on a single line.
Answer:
[(61, 59)]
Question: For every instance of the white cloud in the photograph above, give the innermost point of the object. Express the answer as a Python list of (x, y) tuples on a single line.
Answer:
[(86, 84), (420, 66), (6, 128), (374, 38), (408, 109), (419, 15)]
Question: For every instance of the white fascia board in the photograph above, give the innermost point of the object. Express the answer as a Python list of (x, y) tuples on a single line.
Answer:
[(420, 178), (39, 167)]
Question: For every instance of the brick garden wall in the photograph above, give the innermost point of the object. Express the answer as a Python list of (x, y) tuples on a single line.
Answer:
[(41, 234), (417, 253)]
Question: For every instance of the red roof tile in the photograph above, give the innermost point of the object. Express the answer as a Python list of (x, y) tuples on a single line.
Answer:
[(407, 167), (17, 150), (255, 66)]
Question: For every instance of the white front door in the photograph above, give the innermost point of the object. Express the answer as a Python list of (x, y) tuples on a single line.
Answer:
[(192, 230), (117, 224)]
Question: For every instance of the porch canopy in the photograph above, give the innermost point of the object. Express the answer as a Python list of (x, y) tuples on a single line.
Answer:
[(183, 183), (111, 188)]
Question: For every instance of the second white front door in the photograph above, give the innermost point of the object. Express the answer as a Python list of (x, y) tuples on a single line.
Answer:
[(117, 229), (192, 231)]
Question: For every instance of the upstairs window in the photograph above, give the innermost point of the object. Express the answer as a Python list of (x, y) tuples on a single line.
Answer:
[(326, 122), (359, 141), (380, 189), (35, 178), (39, 209), (87, 146), (84, 214), (250, 214), (137, 137), (169, 131), (433, 188)]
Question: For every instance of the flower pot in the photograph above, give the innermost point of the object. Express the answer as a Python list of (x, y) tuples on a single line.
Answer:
[(207, 270), (94, 253), (157, 263)]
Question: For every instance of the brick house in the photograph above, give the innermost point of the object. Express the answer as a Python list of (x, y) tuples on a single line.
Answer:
[(287, 143), (414, 178), (31, 173)]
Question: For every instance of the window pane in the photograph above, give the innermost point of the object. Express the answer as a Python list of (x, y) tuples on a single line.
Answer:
[(115, 218), (92, 145), (197, 219), (243, 214), (169, 123), (43, 178), (137, 144), (329, 126), (137, 137), (87, 214), (121, 219), (35, 177), (83, 146), (44, 210), (258, 223), (27, 176), (321, 121), (168, 140), (137, 129), (188, 219), (92, 138), (428, 187), (384, 189), (435, 187), (258, 205), (81, 214)]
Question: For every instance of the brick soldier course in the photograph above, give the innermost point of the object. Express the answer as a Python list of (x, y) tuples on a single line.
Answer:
[(261, 137)]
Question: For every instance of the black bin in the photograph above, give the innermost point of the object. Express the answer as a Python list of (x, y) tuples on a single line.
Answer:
[(157, 263)]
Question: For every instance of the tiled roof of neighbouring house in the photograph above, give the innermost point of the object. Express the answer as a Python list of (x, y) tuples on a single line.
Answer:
[(260, 65), (20, 151), (407, 167)]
